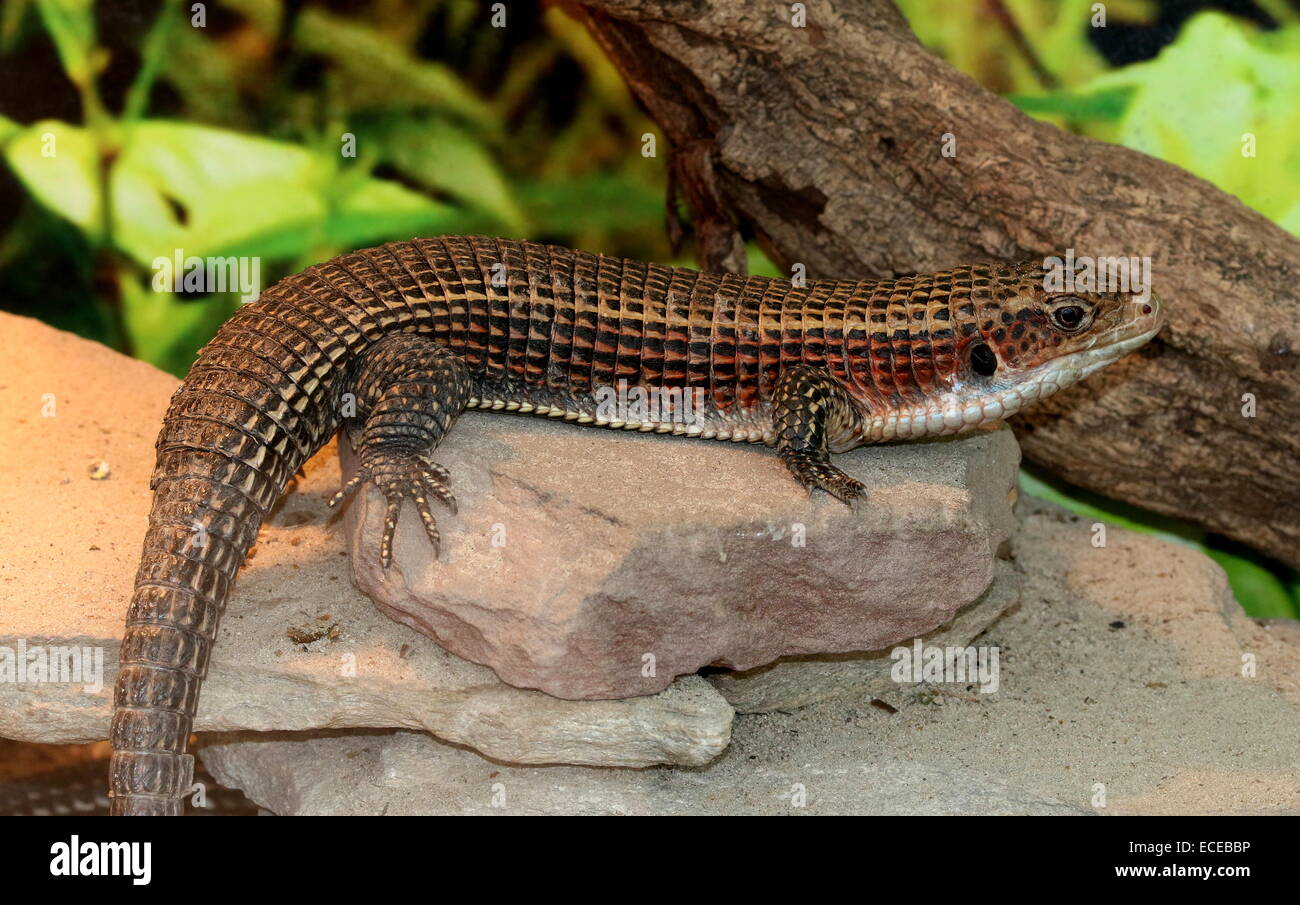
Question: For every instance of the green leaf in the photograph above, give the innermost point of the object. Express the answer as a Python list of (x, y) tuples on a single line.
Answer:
[(379, 209), (1103, 106), (445, 158), (57, 162), (1220, 102), (212, 192), (760, 265), (977, 39), (208, 190), (177, 186), (11, 21), (71, 25), (368, 57), (153, 53), (1260, 592), (597, 202), (8, 128)]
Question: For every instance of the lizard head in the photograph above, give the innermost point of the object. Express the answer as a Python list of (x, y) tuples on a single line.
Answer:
[(1034, 338), (1005, 337)]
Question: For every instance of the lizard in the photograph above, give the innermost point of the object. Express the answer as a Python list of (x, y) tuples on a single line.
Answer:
[(392, 344)]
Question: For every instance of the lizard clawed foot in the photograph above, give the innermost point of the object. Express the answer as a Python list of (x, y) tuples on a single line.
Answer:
[(397, 477), (813, 474)]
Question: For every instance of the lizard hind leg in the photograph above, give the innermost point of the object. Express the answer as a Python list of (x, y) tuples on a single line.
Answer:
[(409, 391), (809, 408)]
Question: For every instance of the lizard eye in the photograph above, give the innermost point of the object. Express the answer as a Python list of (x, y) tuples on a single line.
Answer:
[(982, 360), (1069, 317)]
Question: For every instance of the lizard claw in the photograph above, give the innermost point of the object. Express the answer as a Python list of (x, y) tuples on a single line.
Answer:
[(399, 477), (814, 474)]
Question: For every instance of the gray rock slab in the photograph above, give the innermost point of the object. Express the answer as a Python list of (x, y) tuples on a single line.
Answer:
[(403, 773)]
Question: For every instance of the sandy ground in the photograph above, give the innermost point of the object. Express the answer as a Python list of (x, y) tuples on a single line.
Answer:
[(1143, 709)]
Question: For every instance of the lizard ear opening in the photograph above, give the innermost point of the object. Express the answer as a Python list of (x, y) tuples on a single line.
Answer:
[(982, 360)]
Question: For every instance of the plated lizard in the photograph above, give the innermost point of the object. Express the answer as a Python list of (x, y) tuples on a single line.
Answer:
[(395, 342)]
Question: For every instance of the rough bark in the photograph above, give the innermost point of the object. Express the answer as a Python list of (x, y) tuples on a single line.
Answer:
[(825, 141)]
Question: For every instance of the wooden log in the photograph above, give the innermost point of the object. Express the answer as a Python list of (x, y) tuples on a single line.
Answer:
[(825, 141)]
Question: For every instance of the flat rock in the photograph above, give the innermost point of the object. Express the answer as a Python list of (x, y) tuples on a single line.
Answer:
[(299, 647), (1122, 691), (794, 682), (593, 564), (404, 773)]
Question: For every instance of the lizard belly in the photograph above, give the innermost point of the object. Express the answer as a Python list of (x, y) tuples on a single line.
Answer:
[(703, 421)]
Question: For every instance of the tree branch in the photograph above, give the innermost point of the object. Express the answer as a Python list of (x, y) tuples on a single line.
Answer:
[(825, 141)]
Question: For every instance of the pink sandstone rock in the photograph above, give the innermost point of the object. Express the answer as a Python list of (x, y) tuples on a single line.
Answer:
[(596, 564)]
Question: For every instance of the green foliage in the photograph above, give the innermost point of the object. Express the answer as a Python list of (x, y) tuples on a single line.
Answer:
[(387, 144), (981, 41), (173, 188), (170, 188), (57, 163), (1219, 102), (71, 26), (1104, 106), (372, 62), (610, 203), (442, 157)]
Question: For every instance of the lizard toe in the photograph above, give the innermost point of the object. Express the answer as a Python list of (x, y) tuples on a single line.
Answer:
[(817, 475), (397, 478)]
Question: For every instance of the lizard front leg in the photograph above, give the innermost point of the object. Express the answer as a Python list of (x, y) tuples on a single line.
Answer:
[(409, 391), (809, 409)]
